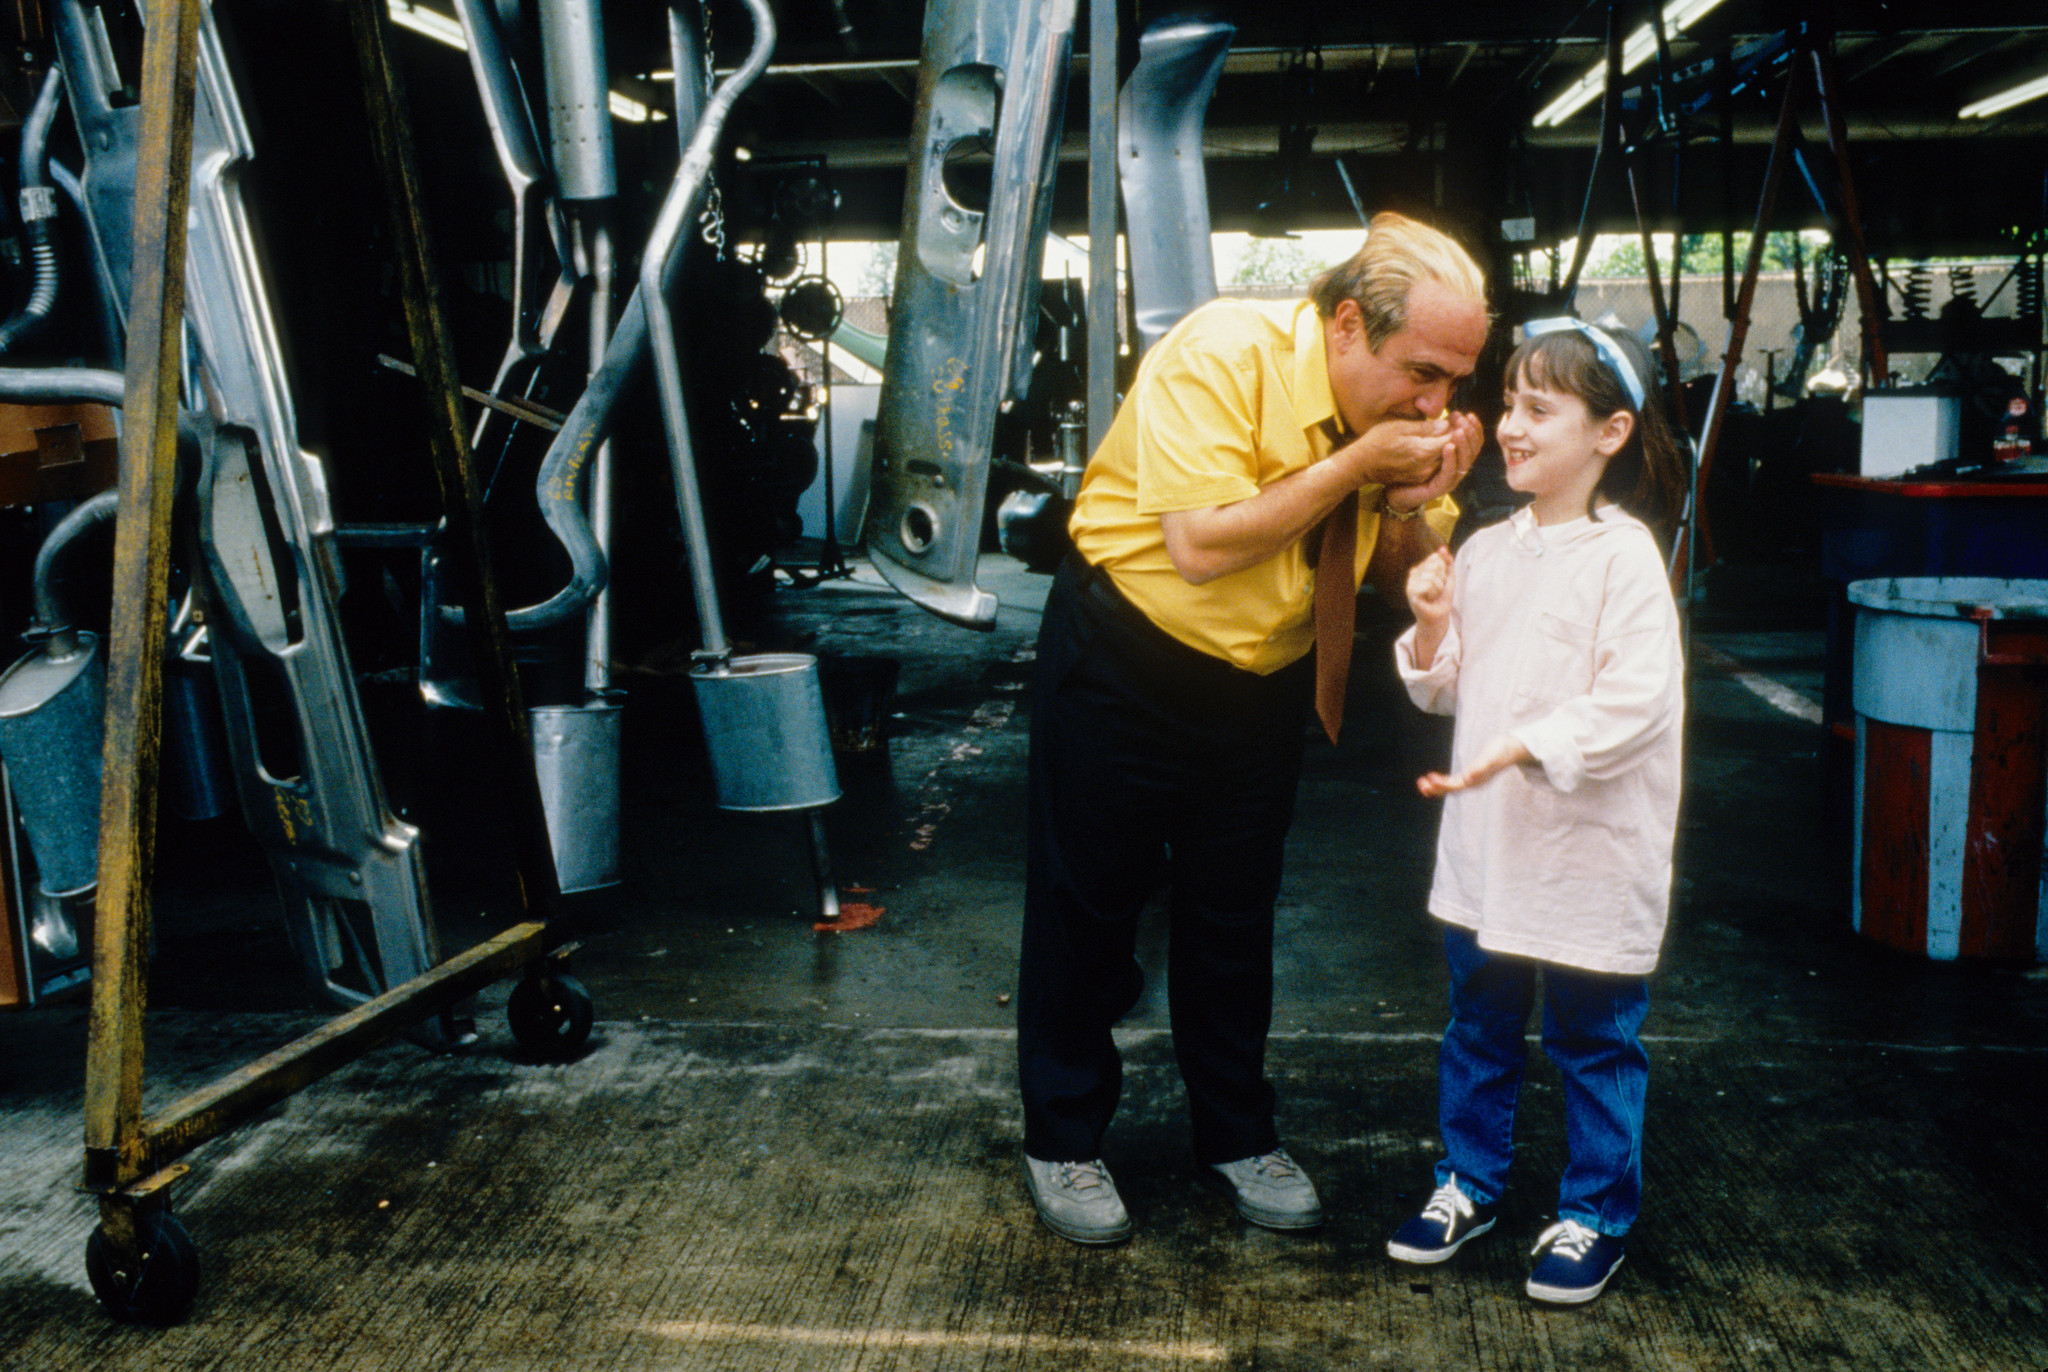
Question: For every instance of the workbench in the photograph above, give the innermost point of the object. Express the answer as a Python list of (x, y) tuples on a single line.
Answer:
[(1906, 526)]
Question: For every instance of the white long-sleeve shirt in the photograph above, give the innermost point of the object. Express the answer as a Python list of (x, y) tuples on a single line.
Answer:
[(1566, 637)]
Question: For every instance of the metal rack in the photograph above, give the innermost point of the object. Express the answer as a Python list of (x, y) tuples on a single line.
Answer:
[(140, 1261)]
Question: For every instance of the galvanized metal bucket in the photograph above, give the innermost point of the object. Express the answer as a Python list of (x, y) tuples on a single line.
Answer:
[(51, 710), (764, 724), (576, 758)]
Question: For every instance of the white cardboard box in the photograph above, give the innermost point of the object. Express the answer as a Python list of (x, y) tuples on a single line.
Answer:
[(1904, 429)]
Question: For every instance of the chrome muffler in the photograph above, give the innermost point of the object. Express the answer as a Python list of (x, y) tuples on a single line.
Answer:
[(52, 703), (576, 760), (764, 723)]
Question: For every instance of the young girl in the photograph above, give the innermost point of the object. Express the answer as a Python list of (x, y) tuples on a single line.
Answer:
[(1553, 638)]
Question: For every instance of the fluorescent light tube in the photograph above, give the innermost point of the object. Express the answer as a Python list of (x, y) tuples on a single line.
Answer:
[(441, 28), (2005, 100), (626, 108), (444, 28), (1679, 15)]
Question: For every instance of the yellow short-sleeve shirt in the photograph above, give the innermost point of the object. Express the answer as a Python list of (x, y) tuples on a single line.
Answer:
[(1232, 399)]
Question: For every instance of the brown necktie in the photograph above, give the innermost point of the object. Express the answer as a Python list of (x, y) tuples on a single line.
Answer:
[(1336, 611)]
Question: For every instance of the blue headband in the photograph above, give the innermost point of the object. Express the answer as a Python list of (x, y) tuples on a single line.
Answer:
[(1609, 351)]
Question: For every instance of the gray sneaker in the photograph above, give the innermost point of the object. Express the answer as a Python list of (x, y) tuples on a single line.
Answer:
[(1272, 1190), (1077, 1200)]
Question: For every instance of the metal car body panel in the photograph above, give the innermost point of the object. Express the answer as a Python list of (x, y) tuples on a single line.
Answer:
[(961, 320), (349, 872), (1159, 162)]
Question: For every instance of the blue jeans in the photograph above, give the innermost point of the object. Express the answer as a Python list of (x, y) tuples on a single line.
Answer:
[(1590, 1026)]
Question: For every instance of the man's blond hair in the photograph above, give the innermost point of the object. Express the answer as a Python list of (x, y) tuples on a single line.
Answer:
[(1398, 253)]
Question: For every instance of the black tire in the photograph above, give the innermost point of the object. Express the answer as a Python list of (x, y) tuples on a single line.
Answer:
[(550, 1015), (158, 1286)]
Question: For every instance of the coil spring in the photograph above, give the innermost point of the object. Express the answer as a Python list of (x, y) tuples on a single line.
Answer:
[(2027, 289), (1962, 282), (1916, 289)]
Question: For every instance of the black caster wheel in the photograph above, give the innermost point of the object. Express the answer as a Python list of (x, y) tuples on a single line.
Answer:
[(550, 1015), (156, 1287)]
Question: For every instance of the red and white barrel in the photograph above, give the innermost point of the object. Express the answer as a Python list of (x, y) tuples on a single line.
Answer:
[(1951, 699)]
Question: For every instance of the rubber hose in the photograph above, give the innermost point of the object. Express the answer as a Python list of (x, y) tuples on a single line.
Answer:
[(38, 207)]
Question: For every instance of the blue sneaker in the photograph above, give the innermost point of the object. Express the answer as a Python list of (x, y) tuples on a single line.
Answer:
[(1577, 1263), (1450, 1218)]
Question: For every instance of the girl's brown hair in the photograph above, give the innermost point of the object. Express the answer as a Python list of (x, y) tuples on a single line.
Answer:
[(1648, 476)]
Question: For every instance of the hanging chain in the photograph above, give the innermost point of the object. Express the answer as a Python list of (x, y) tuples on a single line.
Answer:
[(711, 219)]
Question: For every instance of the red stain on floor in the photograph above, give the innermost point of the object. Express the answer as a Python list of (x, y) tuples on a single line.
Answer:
[(853, 915)]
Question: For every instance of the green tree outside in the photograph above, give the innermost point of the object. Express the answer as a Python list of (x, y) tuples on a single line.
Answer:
[(1275, 262), (1699, 255)]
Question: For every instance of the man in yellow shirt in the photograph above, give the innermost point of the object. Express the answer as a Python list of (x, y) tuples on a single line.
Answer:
[(1173, 682)]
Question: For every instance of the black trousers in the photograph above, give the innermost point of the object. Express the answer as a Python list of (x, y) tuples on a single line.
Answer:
[(1151, 763)]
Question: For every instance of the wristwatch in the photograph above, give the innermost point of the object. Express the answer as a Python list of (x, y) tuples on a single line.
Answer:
[(1387, 511)]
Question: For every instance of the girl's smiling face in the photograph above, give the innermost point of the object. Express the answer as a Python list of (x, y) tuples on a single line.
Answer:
[(1555, 450)]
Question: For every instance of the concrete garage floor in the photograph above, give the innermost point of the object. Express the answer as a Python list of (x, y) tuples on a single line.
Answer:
[(798, 1149)]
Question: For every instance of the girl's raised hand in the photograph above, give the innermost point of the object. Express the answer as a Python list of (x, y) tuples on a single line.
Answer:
[(1499, 755), (1429, 588)]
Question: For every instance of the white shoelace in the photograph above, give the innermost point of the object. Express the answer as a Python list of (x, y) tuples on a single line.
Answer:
[(1568, 1237), (1447, 1205), (1083, 1176), (1276, 1164)]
